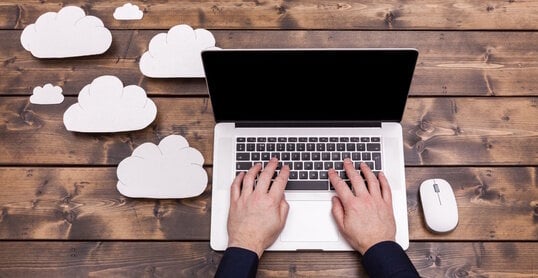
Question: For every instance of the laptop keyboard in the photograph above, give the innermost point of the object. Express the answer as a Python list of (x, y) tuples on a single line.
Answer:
[(309, 158)]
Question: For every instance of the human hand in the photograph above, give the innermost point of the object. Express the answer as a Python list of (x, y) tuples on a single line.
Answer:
[(257, 213), (364, 215)]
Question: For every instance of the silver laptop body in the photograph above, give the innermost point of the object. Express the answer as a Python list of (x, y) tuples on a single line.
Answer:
[(281, 102)]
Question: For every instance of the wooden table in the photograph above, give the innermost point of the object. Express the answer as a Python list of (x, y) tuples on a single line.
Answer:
[(471, 119)]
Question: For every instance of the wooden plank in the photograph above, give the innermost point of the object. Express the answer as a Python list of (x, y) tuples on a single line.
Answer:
[(437, 131), (432, 14), (499, 203), (195, 259), (36, 133), (450, 63), (83, 203)]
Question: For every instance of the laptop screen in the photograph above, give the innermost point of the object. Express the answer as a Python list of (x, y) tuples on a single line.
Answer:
[(309, 85)]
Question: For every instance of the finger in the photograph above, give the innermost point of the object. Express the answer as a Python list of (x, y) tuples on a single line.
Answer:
[(280, 182), (356, 180), (235, 190), (340, 186), (371, 179), (267, 174), (386, 191), (284, 209), (338, 212), (250, 178)]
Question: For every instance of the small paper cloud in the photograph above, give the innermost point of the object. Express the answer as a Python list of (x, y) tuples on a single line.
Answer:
[(106, 106), (67, 33), (170, 170), (177, 53), (47, 94), (128, 12)]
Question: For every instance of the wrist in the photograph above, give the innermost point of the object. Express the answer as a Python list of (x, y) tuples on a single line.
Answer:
[(256, 248)]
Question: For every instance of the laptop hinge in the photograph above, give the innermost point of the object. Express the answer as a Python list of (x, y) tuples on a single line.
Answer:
[(257, 124)]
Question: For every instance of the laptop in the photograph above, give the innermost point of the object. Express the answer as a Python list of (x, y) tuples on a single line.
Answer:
[(311, 108)]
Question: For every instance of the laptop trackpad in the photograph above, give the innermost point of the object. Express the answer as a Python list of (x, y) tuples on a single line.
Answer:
[(310, 221)]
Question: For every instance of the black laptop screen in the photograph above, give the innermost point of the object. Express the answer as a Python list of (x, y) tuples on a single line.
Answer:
[(309, 85)]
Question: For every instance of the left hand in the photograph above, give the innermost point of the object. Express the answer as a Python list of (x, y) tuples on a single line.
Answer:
[(257, 213)]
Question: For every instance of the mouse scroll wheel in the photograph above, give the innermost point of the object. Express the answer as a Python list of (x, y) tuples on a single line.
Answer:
[(436, 187)]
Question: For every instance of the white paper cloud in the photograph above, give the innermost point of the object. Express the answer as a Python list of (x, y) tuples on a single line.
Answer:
[(177, 53), (47, 94), (128, 12), (106, 106), (67, 33), (170, 170)]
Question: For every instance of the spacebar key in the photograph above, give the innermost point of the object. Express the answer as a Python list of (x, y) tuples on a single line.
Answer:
[(307, 185)]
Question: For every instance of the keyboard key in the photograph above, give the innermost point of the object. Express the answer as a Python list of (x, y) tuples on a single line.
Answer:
[(325, 156), (280, 147), (251, 139), (375, 139), (324, 139), (295, 156), (350, 147), (251, 147), (271, 147), (366, 156), (354, 139), (308, 165), (303, 175), (340, 147), (318, 165), (266, 156), (373, 147), (305, 156), (240, 139), (333, 139), (316, 156), (365, 139), (355, 156), (312, 139), (282, 139), (301, 147), (260, 147), (298, 165), (376, 157), (303, 139), (331, 147), (344, 139), (361, 147), (307, 185), (293, 176), (271, 139), (346, 155), (320, 147), (323, 175), (262, 139), (240, 147), (255, 156), (277, 155), (338, 165), (313, 175), (311, 147), (290, 147), (242, 156), (335, 156), (285, 156), (292, 139), (243, 165)]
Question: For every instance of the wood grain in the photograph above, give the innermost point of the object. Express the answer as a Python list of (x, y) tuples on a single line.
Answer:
[(83, 203), (499, 203), (274, 14), (195, 259), (437, 131), (450, 63)]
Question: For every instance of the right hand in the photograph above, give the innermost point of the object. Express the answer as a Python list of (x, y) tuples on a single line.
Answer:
[(364, 216)]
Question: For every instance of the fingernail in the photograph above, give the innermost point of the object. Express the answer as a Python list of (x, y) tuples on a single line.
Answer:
[(347, 160), (331, 170)]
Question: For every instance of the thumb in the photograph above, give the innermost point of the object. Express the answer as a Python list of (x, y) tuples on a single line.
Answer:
[(284, 208), (338, 212)]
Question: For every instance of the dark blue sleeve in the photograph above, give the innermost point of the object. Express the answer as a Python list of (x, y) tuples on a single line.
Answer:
[(388, 259), (237, 262)]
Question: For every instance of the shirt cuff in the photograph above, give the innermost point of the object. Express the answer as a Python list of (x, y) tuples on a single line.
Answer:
[(388, 259), (238, 262)]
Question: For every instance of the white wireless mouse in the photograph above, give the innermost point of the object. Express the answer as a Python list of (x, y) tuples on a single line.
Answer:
[(439, 205)]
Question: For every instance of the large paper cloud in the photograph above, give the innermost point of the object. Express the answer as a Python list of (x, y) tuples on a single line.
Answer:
[(47, 94), (106, 106), (128, 12), (177, 53), (67, 33), (170, 170)]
